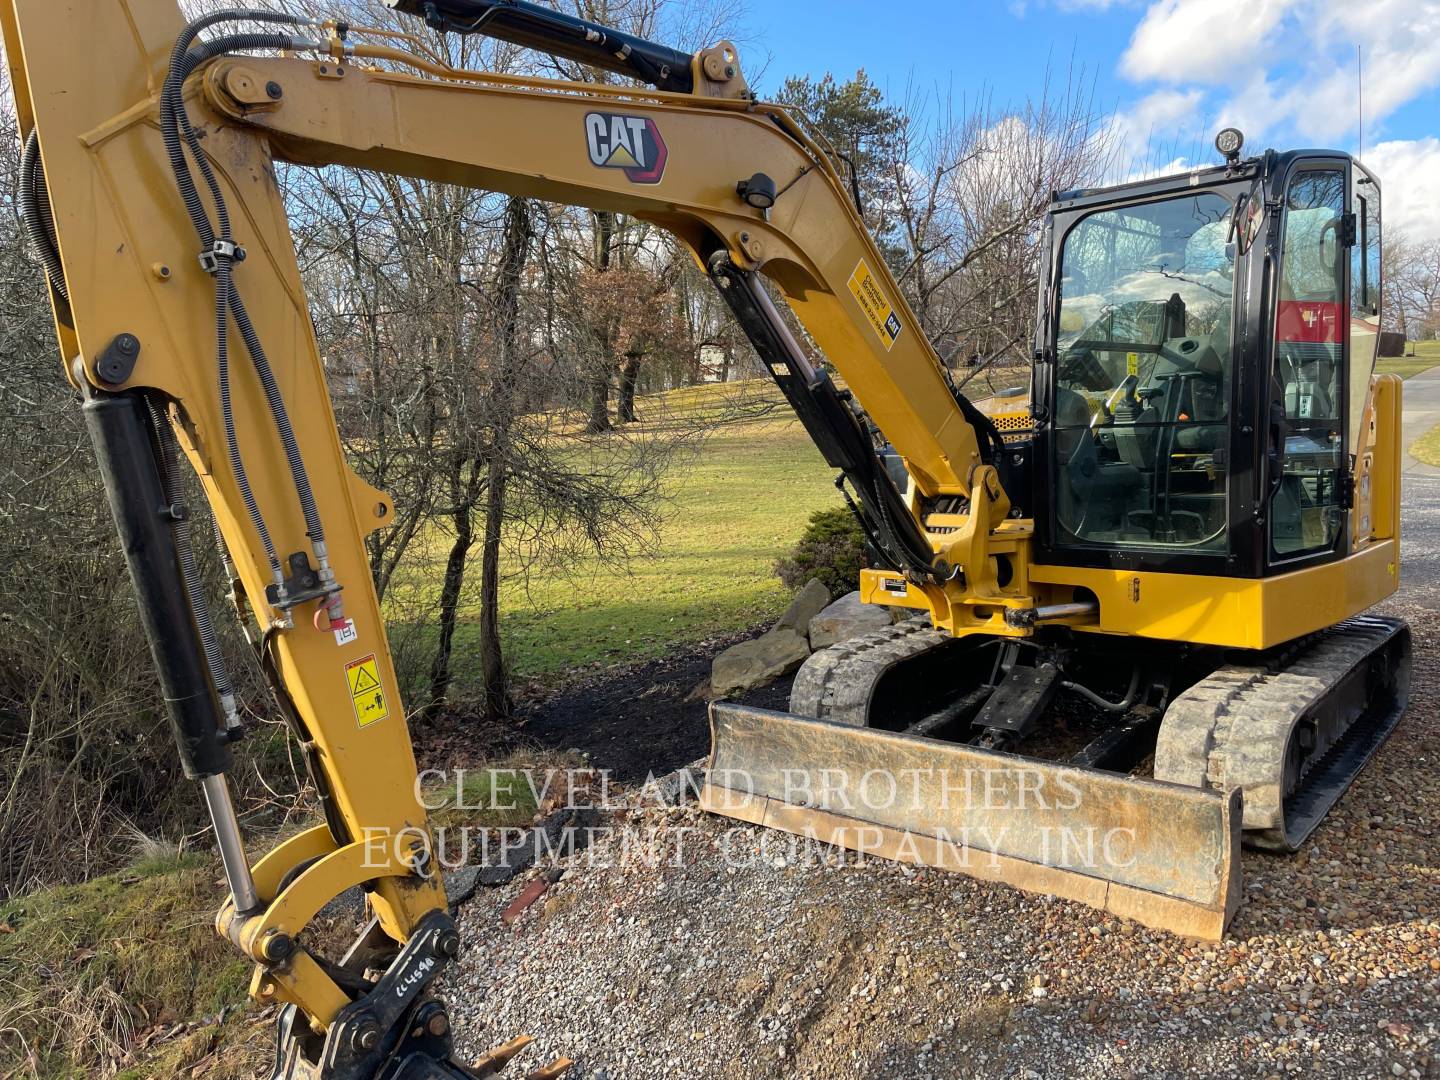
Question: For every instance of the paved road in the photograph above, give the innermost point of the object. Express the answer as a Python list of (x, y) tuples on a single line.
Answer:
[(1420, 486)]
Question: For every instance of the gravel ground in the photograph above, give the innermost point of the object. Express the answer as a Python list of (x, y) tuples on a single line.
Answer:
[(725, 953), (688, 965)]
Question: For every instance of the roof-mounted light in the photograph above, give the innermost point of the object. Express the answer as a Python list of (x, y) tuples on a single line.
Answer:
[(1229, 142)]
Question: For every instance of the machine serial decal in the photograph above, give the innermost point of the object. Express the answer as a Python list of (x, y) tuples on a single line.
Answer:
[(630, 143), (878, 311), (366, 692)]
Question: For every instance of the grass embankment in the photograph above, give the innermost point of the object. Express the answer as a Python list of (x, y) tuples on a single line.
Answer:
[(123, 973)]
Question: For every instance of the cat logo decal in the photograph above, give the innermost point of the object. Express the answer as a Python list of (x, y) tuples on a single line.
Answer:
[(631, 143)]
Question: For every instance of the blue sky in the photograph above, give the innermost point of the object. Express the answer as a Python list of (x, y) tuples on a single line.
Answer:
[(1169, 72)]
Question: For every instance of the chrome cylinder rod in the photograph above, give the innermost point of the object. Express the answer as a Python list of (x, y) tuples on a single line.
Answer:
[(231, 844), (1077, 610)]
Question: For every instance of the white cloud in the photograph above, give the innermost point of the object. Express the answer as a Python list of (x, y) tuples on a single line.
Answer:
[(1409, 172), (1163, 133), (1201, 41), (1401, 62), (1289, 65), (1160, 118)]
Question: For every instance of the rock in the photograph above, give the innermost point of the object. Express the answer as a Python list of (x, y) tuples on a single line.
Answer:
[(676, 787), (563, 832), (759, 661), (844, 619), (461, 885), (808, 603)]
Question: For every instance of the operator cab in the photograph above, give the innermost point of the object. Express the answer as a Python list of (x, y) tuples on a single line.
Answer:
[(1203, 357)]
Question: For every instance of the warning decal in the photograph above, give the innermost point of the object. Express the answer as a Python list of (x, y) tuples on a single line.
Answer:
[(877, 309), (366, 693)]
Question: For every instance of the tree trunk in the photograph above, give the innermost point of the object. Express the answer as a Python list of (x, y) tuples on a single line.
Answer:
[(496, 677), (600, 404), (519, 232), (605, 227), (463, 507), (629, 375)]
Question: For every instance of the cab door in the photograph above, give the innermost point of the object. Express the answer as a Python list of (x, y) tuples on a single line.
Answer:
[(1308, 475)]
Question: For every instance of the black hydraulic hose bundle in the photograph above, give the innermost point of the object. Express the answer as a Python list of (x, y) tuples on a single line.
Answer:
[(220, 253), (36, 216), (830, 422)]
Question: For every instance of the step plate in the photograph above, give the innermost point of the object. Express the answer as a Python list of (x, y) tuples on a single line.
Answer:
[(1164, 855)]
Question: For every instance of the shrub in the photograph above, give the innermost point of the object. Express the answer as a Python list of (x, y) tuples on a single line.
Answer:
[(832, 550)]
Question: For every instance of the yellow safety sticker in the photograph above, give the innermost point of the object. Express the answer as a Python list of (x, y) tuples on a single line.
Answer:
[(366, 692), (877, 309)]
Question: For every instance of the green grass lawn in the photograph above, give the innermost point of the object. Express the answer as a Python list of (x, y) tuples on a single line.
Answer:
[(734, 505), (1427, 355)]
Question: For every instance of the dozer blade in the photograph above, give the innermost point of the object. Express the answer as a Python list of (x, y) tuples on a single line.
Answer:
[(1164, 855)]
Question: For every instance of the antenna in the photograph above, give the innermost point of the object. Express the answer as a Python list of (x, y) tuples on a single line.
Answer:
[(1360, 101)]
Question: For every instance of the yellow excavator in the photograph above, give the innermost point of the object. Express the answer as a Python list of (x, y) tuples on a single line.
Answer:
[(1137, 634)]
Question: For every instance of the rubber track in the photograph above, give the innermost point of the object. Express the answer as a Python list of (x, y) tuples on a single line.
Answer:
[(1234, 727), (838, 683)]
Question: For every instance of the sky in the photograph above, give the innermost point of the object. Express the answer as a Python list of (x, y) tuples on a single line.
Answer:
[(1167, 73)]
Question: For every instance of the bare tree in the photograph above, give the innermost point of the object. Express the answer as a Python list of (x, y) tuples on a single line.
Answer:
[(971, 188), (1412, 286)]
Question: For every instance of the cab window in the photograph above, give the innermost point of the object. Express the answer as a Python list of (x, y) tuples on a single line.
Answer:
[(1310, 327), (1143, 376)]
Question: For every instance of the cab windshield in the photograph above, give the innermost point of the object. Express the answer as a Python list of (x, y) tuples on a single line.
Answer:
[(1143, 375)]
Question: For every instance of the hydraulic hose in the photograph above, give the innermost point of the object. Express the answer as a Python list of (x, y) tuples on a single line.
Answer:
[(828, 419), (179, 135), (303, 490), (36, 216), (171, 117), (1124, 705), (173, 104)]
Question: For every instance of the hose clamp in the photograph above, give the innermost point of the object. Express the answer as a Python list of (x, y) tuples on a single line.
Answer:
[(220, 249)]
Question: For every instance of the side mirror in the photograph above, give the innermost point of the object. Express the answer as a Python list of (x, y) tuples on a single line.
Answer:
[(1249, 217)]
